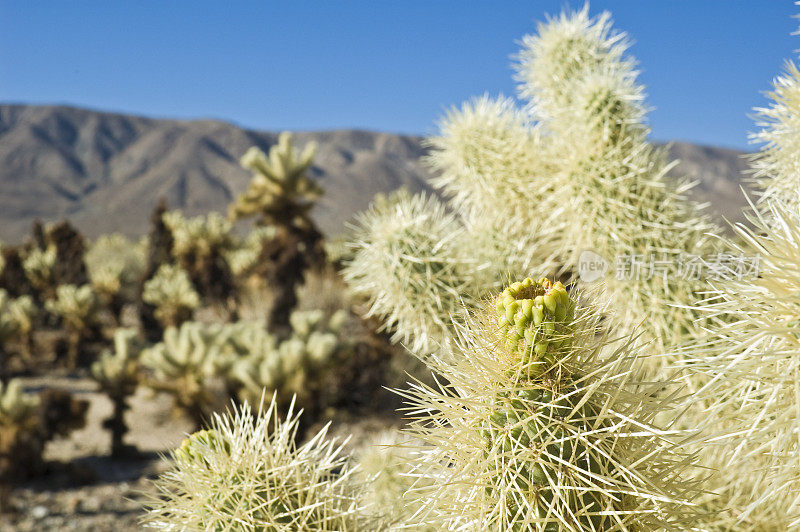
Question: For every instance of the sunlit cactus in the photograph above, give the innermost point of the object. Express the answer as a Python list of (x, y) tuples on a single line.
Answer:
[(118, 373), (412, 263), (777, 162), (171, 292), (281, 191), (574, 168), (282, 194), (40, 269), (248, 473), (186, 364), (543, 426), (199, 236), (78, 307)]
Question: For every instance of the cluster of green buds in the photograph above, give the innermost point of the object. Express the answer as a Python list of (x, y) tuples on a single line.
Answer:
[(535, 318), (171, 291)]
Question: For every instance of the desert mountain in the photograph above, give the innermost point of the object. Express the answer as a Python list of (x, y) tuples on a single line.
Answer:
[(106, 171)]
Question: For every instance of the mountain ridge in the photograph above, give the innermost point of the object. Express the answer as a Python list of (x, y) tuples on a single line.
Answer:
[(105, 171)]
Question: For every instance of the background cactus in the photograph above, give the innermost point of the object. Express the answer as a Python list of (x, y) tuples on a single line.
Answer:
[(284, 367), (543, 426), (39, 267), (247, 472), (78, 308), (27, 423), (172, 294), (16, 322), (115, 266), (282, 194), (118, 373), (199, 244), (185, 364)]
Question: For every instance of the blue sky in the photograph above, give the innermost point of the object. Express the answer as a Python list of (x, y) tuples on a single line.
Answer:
[(380, 65)]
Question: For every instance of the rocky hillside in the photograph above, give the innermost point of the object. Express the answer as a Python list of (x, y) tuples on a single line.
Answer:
[(106, 171)]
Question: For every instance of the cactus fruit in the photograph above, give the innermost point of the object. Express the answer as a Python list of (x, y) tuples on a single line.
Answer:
[(535, 316), (118, 373), (246, 472), (173, 295), (565, 440)]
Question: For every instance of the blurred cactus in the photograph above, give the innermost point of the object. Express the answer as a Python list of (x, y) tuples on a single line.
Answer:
[(39, 267), (199, 244), (265, 364), (115, 265), (78, 308), (27, 423), (246, 472), (244, 256), (282, 194), (16, 322), (171, 292), (543, 426), (185, 364), (118, 373)]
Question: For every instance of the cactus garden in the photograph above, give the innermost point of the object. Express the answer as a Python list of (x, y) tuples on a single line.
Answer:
[(551, 333)]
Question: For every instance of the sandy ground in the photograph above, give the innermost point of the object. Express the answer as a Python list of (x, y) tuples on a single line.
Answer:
[(87, 491)]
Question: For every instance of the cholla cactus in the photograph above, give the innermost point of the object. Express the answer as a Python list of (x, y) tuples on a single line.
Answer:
[(543, 426), (16, 321), (412, 263), (18, 421), (78, 308), (283, 367), (173, 295), (118, 373), (243, 257), (199, 245), (385, 472), (185, 364), (751, 359), (777, 163), (247, 473), (281, 191), (115, 265), (199, 236), (39, 267), (282, 195)]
